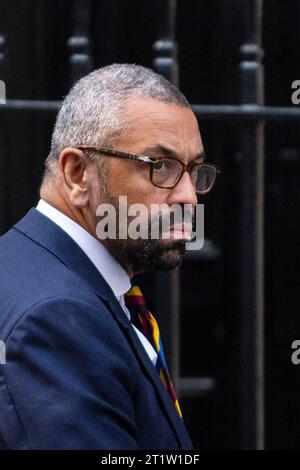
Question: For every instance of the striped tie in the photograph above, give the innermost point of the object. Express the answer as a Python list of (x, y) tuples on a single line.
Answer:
[(146, 323)]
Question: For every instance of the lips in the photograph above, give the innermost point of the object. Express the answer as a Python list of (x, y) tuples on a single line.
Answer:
[(182, 232)]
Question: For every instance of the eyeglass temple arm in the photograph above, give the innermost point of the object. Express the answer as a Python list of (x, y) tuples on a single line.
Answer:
[(119, 153)]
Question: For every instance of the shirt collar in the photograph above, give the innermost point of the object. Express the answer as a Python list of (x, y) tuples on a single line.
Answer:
[(112, 271)]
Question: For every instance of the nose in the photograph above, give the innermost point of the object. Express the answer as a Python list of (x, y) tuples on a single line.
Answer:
[(184, 192)]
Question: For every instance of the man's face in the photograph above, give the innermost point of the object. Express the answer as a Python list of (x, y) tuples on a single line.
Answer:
[(153, 125)]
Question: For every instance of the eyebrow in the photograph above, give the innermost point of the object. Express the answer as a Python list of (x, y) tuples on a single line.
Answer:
[(161, 149)]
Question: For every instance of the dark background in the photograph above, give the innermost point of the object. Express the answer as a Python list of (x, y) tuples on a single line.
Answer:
[(208, 34)]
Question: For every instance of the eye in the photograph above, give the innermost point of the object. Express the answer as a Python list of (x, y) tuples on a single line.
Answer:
[(161, 165)]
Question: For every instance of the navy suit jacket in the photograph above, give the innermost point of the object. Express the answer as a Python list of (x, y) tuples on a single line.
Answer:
[(76, 374)]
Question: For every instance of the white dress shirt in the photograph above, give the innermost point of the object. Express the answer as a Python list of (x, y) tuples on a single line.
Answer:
[(114, 274)]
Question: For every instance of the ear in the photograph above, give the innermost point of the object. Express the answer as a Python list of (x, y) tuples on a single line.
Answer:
[(73, 171)]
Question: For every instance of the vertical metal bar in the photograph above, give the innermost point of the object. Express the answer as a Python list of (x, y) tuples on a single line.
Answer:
[(167, 283), (79, 43), (252, 250), (165, 47), (3, 151), (38, 78)]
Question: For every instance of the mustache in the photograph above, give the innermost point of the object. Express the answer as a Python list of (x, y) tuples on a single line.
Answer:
[(173, 219)]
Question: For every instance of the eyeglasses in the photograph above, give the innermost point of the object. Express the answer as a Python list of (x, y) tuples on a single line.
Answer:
[(166, 172)]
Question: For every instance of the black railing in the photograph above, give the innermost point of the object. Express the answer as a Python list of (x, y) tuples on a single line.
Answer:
[(233, 113)]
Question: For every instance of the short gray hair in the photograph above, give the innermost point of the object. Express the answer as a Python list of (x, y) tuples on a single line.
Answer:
[(93, 113)]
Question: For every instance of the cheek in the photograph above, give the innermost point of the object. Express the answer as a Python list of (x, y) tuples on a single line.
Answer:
[(147, 195), (137, 186)]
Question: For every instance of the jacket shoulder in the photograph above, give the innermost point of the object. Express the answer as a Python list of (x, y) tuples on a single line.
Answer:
[(72, 356)]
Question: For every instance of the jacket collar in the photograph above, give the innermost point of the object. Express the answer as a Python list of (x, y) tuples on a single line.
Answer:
[(112, 271)]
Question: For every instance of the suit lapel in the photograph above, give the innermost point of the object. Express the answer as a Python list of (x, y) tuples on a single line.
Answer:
[(48, 234)]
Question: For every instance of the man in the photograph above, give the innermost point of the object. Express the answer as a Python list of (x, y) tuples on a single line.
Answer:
[(79, 373)]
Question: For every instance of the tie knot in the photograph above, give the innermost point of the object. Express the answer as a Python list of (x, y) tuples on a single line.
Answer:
[(135, 302)]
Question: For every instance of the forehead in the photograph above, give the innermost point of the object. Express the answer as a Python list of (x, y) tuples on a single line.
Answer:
[(153, 122)]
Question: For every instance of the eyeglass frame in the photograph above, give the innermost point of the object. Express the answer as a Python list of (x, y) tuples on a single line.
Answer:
[(152, 161)]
